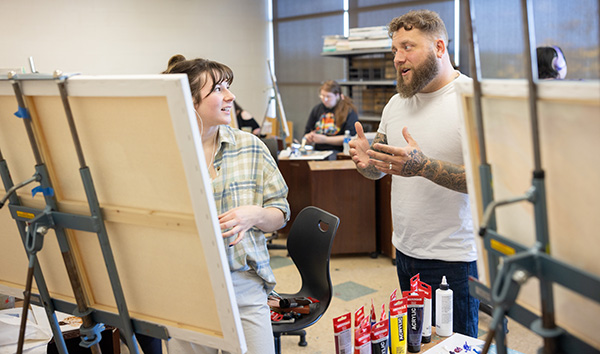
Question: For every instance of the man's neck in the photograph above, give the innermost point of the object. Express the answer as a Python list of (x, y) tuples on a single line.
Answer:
[(446, 75)]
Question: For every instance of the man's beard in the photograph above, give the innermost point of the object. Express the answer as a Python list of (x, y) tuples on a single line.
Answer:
[(421, 77)]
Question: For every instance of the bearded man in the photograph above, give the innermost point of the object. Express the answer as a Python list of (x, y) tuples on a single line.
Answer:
[(433, 228)]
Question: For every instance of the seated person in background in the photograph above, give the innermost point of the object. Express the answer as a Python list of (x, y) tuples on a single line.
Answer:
[(552, 63), (329, 119), (245, 120)]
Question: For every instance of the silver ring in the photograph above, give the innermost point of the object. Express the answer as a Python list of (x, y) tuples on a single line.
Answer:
[(390, 165)]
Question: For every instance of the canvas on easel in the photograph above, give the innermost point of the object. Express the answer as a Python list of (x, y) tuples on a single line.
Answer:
[(143, 147), (569, 127)]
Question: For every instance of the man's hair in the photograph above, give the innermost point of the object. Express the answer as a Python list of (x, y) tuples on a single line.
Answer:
[(429, 22)]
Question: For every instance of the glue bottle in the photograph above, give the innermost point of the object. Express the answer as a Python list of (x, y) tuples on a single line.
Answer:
[(347, 139), (443, 309)]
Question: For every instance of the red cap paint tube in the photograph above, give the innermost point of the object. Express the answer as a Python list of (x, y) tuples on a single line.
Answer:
[(414, 281), (379, 337), (398, 326), (362, 340), (414, 307), (373, 316), (393, 296), (359, 317), (425, 289), (342, 332)]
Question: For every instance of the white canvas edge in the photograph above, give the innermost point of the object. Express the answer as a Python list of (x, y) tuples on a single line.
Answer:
[(546, 89), (190, 145), (481, 267)]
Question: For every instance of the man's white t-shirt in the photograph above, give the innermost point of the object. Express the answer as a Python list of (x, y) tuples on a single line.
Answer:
[(430, 221)]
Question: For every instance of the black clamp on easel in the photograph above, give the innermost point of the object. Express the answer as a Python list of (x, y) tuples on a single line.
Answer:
[(34, 223)]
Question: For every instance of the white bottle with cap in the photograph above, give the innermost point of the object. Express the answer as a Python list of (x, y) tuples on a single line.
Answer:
[(347, 138), (443, 309)]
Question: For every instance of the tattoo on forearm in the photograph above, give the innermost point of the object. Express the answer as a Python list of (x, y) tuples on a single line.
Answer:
[(379, 138), (371, 172), (416, 163), (443, 173)]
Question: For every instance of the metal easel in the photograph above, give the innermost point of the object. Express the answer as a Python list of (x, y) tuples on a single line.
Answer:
[(527, 261), (283, 131), (34, 223)]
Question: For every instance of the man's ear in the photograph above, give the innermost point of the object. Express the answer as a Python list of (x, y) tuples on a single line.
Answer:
[(440, 47)]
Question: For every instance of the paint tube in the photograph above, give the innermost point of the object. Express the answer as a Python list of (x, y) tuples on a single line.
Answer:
[(342, 334), (379, 337), (414, 306), (414, 281), (359, 317), (393, 296), (398, 326), (425, 289), (362, 339), (372, 315)]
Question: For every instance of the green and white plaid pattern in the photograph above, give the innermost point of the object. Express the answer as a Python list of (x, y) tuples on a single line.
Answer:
[(247, 174)]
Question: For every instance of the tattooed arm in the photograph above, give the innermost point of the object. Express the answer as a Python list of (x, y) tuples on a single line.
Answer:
[(444, 173), (411, 161)]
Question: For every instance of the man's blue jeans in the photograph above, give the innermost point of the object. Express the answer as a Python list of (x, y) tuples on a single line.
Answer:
[(465, 306)]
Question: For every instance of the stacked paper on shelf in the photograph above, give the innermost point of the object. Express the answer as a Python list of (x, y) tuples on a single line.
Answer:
[(369, 37), (330, 42), (342, 44)]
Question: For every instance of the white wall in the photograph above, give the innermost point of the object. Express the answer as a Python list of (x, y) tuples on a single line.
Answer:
[(138, 37)]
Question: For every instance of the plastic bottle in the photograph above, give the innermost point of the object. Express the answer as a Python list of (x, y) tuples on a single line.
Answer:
[(347, 139), (443, 309)]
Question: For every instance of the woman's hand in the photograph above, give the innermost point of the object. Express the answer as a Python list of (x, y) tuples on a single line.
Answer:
[(310, 137), (239, 220), (243, 218)]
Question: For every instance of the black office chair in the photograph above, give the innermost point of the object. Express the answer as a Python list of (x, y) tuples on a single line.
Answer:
[(272, 144), (309, 245)]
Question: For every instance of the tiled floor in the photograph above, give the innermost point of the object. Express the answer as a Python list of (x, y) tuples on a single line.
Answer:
[(357, 280)]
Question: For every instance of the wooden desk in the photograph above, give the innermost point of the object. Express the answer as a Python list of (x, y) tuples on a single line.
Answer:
[(383, 213), (334, 186), (384, 217)]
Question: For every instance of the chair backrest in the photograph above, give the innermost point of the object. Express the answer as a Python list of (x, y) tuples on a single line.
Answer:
[(309, 245), (273, 146)]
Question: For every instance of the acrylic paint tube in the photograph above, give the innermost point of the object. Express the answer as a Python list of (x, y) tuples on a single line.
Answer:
[(425, 289), (342, 331), (398, 326), (379, 337), (414, 307), (393, 296), (359, 317), (372, 315), (362, 340), (414, 281)]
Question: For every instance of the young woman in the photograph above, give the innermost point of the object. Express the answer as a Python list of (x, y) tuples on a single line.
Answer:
[(329, 119), (250, 195)]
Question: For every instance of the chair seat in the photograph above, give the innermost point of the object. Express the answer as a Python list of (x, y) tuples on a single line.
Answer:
[(302, 322), (309, 245)]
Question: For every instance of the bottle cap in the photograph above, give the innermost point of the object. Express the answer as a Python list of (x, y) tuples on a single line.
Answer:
[(444, 285)]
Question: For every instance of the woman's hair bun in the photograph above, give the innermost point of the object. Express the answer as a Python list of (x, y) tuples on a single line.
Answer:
[(175, 59)]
